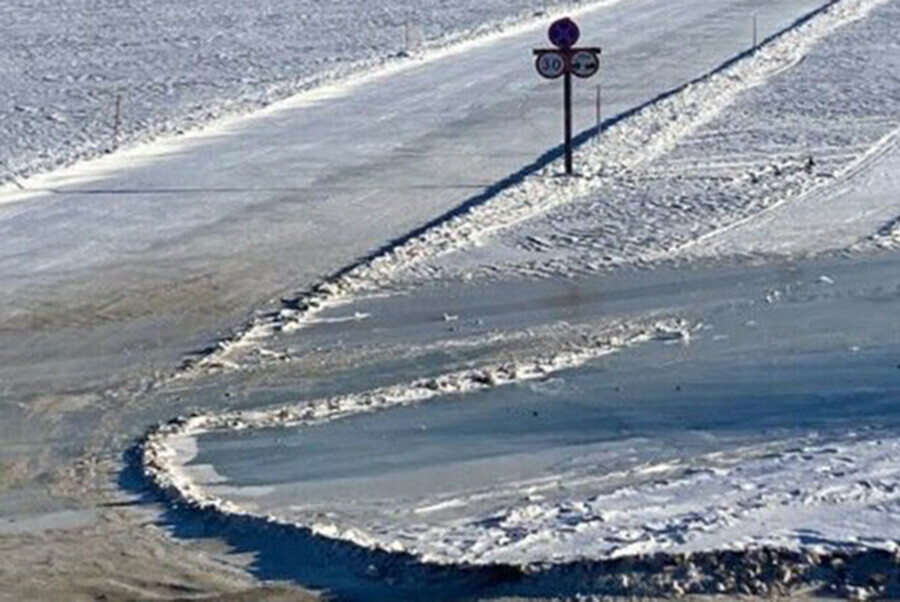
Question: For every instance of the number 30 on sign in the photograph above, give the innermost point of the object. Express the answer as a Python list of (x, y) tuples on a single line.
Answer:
[(551, 64)]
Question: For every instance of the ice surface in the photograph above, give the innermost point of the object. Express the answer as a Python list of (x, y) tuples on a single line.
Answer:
[(768, 428)]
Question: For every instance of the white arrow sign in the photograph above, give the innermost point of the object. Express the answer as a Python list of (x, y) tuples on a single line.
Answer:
[(585, 63)]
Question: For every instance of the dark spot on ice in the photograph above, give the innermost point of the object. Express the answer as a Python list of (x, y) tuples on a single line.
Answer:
[(534, 413), (678, 387)]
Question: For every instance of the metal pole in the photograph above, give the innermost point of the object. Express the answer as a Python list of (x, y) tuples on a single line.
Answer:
[(755, 38), (567, 101), (118, 122)]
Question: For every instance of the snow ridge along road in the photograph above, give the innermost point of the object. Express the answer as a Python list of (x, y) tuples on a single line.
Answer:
[(624, 145), (162, 454)]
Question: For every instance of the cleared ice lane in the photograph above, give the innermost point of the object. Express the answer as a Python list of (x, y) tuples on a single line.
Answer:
[(814, 365)]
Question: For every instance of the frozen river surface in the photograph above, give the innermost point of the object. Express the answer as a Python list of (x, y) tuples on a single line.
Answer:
[(467, 373)]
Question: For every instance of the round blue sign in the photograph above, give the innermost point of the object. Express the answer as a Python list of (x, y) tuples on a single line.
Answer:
[(564, 33)]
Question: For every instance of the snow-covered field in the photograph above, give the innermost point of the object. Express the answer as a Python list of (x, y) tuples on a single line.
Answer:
[(177, 65), (798, 136), (419, 361)]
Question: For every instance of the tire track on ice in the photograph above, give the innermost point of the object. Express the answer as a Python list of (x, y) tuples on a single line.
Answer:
[(841, 180)]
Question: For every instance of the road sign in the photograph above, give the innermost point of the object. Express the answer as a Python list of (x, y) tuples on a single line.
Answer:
[(584, 63), (565, 61), (564, 33), (551, 64)]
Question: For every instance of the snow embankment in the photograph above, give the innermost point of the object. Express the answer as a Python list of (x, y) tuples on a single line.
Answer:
[(623, 148), (169, 447)]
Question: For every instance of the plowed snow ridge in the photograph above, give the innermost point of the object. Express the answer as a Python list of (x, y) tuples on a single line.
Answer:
[(623, 147), (163, 449)]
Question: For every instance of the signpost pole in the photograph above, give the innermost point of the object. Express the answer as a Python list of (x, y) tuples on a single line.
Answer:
[(566, 60), (117, 121), (567, 100)]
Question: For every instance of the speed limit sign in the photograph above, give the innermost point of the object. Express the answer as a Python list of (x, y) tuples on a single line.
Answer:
[(551, 64)]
